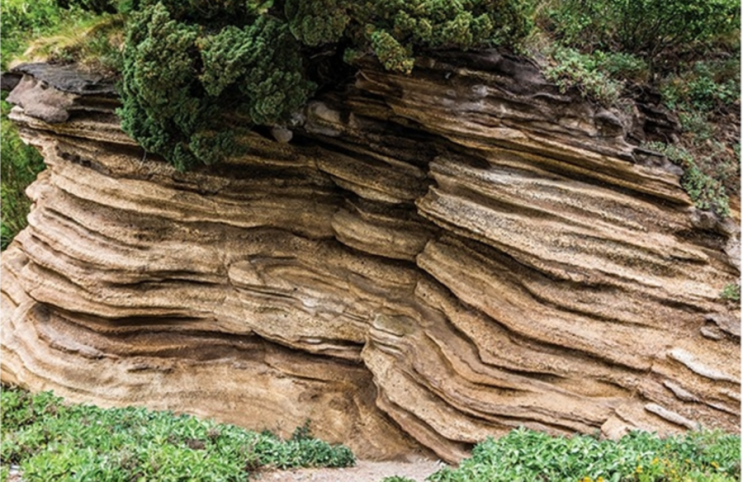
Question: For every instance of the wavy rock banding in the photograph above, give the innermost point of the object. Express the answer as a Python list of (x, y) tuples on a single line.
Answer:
[(428, 260)]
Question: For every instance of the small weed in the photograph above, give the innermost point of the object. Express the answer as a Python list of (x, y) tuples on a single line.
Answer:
[(303, 432), (397, 478), (731, 292)]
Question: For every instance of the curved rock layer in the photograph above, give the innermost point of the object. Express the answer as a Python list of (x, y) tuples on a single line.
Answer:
[(428, 261)]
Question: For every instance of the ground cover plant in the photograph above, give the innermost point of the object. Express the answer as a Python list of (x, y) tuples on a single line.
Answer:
[(53, 441), (528, 456)]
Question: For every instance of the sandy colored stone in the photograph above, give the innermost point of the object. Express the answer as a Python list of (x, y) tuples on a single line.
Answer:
[(444, 257)]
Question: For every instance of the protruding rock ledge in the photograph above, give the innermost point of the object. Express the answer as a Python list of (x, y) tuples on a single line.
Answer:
[(426, 261)]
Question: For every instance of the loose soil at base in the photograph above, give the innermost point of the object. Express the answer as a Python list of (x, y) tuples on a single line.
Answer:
[(364, 471)]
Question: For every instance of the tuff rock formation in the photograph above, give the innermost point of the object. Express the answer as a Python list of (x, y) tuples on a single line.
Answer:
[(421, 262)]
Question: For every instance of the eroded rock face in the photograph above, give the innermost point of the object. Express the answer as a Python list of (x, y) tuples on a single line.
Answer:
[(426, 261)]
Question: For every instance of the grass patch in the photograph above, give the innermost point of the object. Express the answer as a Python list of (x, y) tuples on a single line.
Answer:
[(92, 43), (52, 441), (25, 21), (526, 456)]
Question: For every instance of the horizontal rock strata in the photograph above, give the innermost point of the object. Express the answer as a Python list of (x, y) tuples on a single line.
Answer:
[(427, 261)]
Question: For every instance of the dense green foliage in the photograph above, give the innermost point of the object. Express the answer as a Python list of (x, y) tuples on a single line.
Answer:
[(52, 441), (187, 63), (648, 28), (526, 456), (180, 80), (647, 41)]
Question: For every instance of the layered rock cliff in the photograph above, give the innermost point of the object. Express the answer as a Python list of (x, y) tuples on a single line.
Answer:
[(422, 262)]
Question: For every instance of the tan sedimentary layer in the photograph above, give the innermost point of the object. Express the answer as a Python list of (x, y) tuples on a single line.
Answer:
[(431, 260)]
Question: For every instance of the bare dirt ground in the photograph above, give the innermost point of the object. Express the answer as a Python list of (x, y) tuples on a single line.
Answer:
[(364, 471)]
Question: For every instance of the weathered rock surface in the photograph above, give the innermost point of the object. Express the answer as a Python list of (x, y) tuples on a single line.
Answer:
[(427, 261)]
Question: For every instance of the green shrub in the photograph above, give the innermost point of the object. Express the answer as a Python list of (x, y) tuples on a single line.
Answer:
[(647, 28), (189, 64), (178, 83), (52, 441), (707, 86), (706, 192), (587, 73), (524, 455)]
